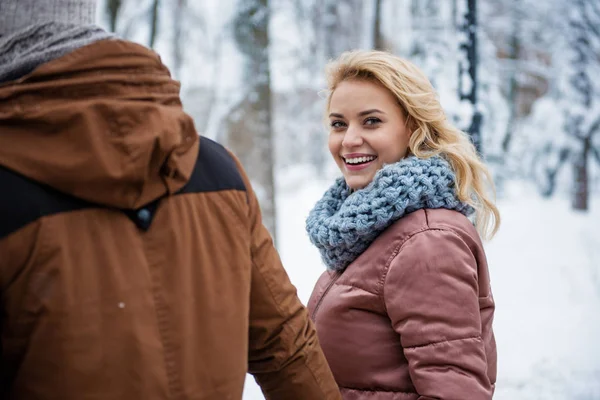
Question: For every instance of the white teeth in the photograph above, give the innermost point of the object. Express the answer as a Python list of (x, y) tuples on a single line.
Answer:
[(359, 160)]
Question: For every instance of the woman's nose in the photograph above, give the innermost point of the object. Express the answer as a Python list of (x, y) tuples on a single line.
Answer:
[(352, 138)]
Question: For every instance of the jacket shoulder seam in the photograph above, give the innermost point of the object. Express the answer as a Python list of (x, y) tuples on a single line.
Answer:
[(398, 249)]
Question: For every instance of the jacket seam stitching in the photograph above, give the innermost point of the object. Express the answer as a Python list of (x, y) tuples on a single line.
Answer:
[(398, 249), (326, 290), (393, 255), (441, 342), (229, 209), (376, 390), (287, 329), (173, 383), (357, 287)]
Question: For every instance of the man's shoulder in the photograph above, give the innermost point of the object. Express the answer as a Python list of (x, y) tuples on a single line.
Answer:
[(215, 170), (24, 200)]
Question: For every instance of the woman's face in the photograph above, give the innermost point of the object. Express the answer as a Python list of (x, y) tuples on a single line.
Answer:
[(367, 130)]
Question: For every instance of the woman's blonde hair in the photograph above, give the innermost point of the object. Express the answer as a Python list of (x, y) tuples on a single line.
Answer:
[(431, 132)]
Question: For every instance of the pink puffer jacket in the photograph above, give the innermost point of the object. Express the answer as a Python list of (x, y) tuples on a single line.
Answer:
[(411, 317)]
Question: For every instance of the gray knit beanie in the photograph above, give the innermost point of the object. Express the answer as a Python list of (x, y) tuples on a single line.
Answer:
[(18, 14)]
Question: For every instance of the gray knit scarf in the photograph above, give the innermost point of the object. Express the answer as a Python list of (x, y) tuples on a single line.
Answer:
[(23, 51), (343, 224)]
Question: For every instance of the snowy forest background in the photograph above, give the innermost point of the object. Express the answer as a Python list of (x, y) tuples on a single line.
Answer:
[(252, 78)]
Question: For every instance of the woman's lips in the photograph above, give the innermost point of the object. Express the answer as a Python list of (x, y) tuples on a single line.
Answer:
[(358, 167)]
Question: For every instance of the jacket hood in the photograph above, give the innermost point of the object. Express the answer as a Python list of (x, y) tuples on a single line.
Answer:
[(103, 123)]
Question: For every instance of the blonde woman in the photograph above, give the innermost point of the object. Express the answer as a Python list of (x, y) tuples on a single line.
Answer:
[(404, 310)]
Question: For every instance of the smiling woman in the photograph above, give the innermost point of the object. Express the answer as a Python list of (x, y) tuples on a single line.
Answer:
[(407, 290), (368, 130)]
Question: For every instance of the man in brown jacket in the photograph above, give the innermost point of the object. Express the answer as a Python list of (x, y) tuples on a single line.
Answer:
[(133, 260)]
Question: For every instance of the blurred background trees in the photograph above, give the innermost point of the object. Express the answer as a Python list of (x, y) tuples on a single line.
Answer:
[(252, 77)]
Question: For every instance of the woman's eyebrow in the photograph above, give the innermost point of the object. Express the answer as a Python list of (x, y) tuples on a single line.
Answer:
[(371, 111)]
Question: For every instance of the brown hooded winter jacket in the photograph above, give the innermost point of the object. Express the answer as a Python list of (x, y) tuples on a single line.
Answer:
[(133, 260), (411, 317)]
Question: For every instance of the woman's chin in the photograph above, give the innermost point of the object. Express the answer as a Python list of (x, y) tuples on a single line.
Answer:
[(356, 183)]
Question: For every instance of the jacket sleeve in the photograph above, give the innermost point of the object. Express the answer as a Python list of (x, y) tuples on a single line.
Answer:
[(431, 296), (284, 354)]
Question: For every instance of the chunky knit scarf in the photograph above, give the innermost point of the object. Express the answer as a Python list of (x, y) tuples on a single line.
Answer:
[(343, 223)]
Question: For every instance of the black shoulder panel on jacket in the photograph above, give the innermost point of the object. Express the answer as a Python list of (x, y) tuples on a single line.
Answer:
[(23, 201), (215, 170)]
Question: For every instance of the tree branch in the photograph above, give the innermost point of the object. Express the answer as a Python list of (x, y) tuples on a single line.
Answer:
[(377, 34), (590, 26), (595, 7), (593, 128), (596, 154), (573, 126), (552, 172), (112, 8), (153, 23)]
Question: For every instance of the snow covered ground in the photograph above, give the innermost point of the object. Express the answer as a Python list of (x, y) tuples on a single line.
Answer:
[(545, 268)]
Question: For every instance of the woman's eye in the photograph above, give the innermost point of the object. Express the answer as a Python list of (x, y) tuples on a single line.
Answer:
[(337, 124), (372, 121)]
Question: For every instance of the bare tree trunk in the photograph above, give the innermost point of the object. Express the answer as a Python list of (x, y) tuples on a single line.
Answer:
[(454, 13), (515, 53), (584, 40), (581, 195), (112, 9), (581, 168), (378, 43), (177, 37), (153, 23), (250, 134), (329, 36), (213, 120), (469, 70)]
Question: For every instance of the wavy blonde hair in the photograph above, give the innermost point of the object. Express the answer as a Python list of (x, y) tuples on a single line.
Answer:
[(431, 132)]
